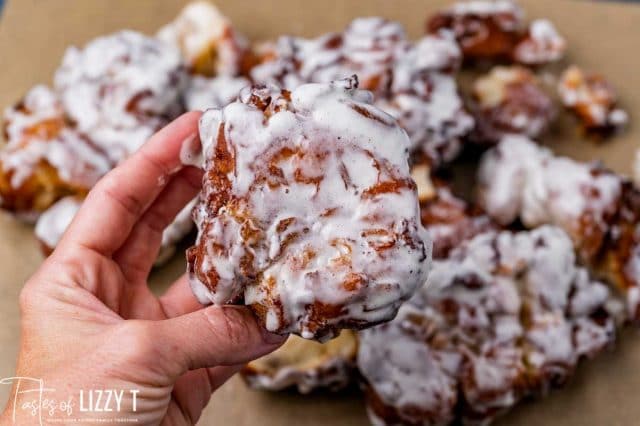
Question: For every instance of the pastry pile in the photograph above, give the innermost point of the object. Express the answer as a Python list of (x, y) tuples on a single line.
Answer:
[(598, 209), (506, 315), (328, 182), (108, 98)]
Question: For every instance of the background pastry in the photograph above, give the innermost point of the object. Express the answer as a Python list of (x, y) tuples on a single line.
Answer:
[(504, 316), (306, 365), (45, 157), (509, 100), (593, 100), (412, 81), (120, 89), (599, 210), (207, 40)]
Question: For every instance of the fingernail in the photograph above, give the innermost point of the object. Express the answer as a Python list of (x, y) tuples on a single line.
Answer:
[(272, 338)]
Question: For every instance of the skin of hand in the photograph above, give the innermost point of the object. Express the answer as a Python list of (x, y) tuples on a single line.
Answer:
[(89, 320)]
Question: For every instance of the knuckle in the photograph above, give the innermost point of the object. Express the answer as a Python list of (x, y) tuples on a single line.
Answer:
[(156, 220), (192, 179), (135, 352), (140, 345), (135, 340), (113, 190), (27, 298)]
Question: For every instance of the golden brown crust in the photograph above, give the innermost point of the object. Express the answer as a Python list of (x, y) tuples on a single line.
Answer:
[(38, 192), (208, 41), (37, 134)]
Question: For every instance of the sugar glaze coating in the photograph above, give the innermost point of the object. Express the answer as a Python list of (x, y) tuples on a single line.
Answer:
[(308, 212), (119, 89), (505, 316), (45, 157), (599, 209), (412, 81), (593, 100)]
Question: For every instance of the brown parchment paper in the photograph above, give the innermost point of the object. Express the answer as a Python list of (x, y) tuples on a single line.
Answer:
[(602, 36)]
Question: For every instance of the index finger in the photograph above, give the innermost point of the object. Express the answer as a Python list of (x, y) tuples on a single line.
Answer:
[(119, 199)]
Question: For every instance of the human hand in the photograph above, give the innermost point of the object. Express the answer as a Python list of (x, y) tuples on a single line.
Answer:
[(89, 320)]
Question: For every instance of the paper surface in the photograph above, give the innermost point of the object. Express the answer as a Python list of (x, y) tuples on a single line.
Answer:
[(602, 37)]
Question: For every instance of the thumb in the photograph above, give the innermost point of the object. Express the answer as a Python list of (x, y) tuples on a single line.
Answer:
[(213, 336)]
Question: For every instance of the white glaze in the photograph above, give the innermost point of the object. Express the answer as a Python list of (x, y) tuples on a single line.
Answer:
[(431, 111), (41, 105), (320, 119), (543, 44), (592, 98), (204, 93), (76, 161), (119, 89), (469, 312), (405, 372), (521, 179), (411, 81), (367, 47), (55, 220), (434, 52)]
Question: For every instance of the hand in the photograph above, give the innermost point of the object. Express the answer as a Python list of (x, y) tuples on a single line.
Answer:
[(89, 320)]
